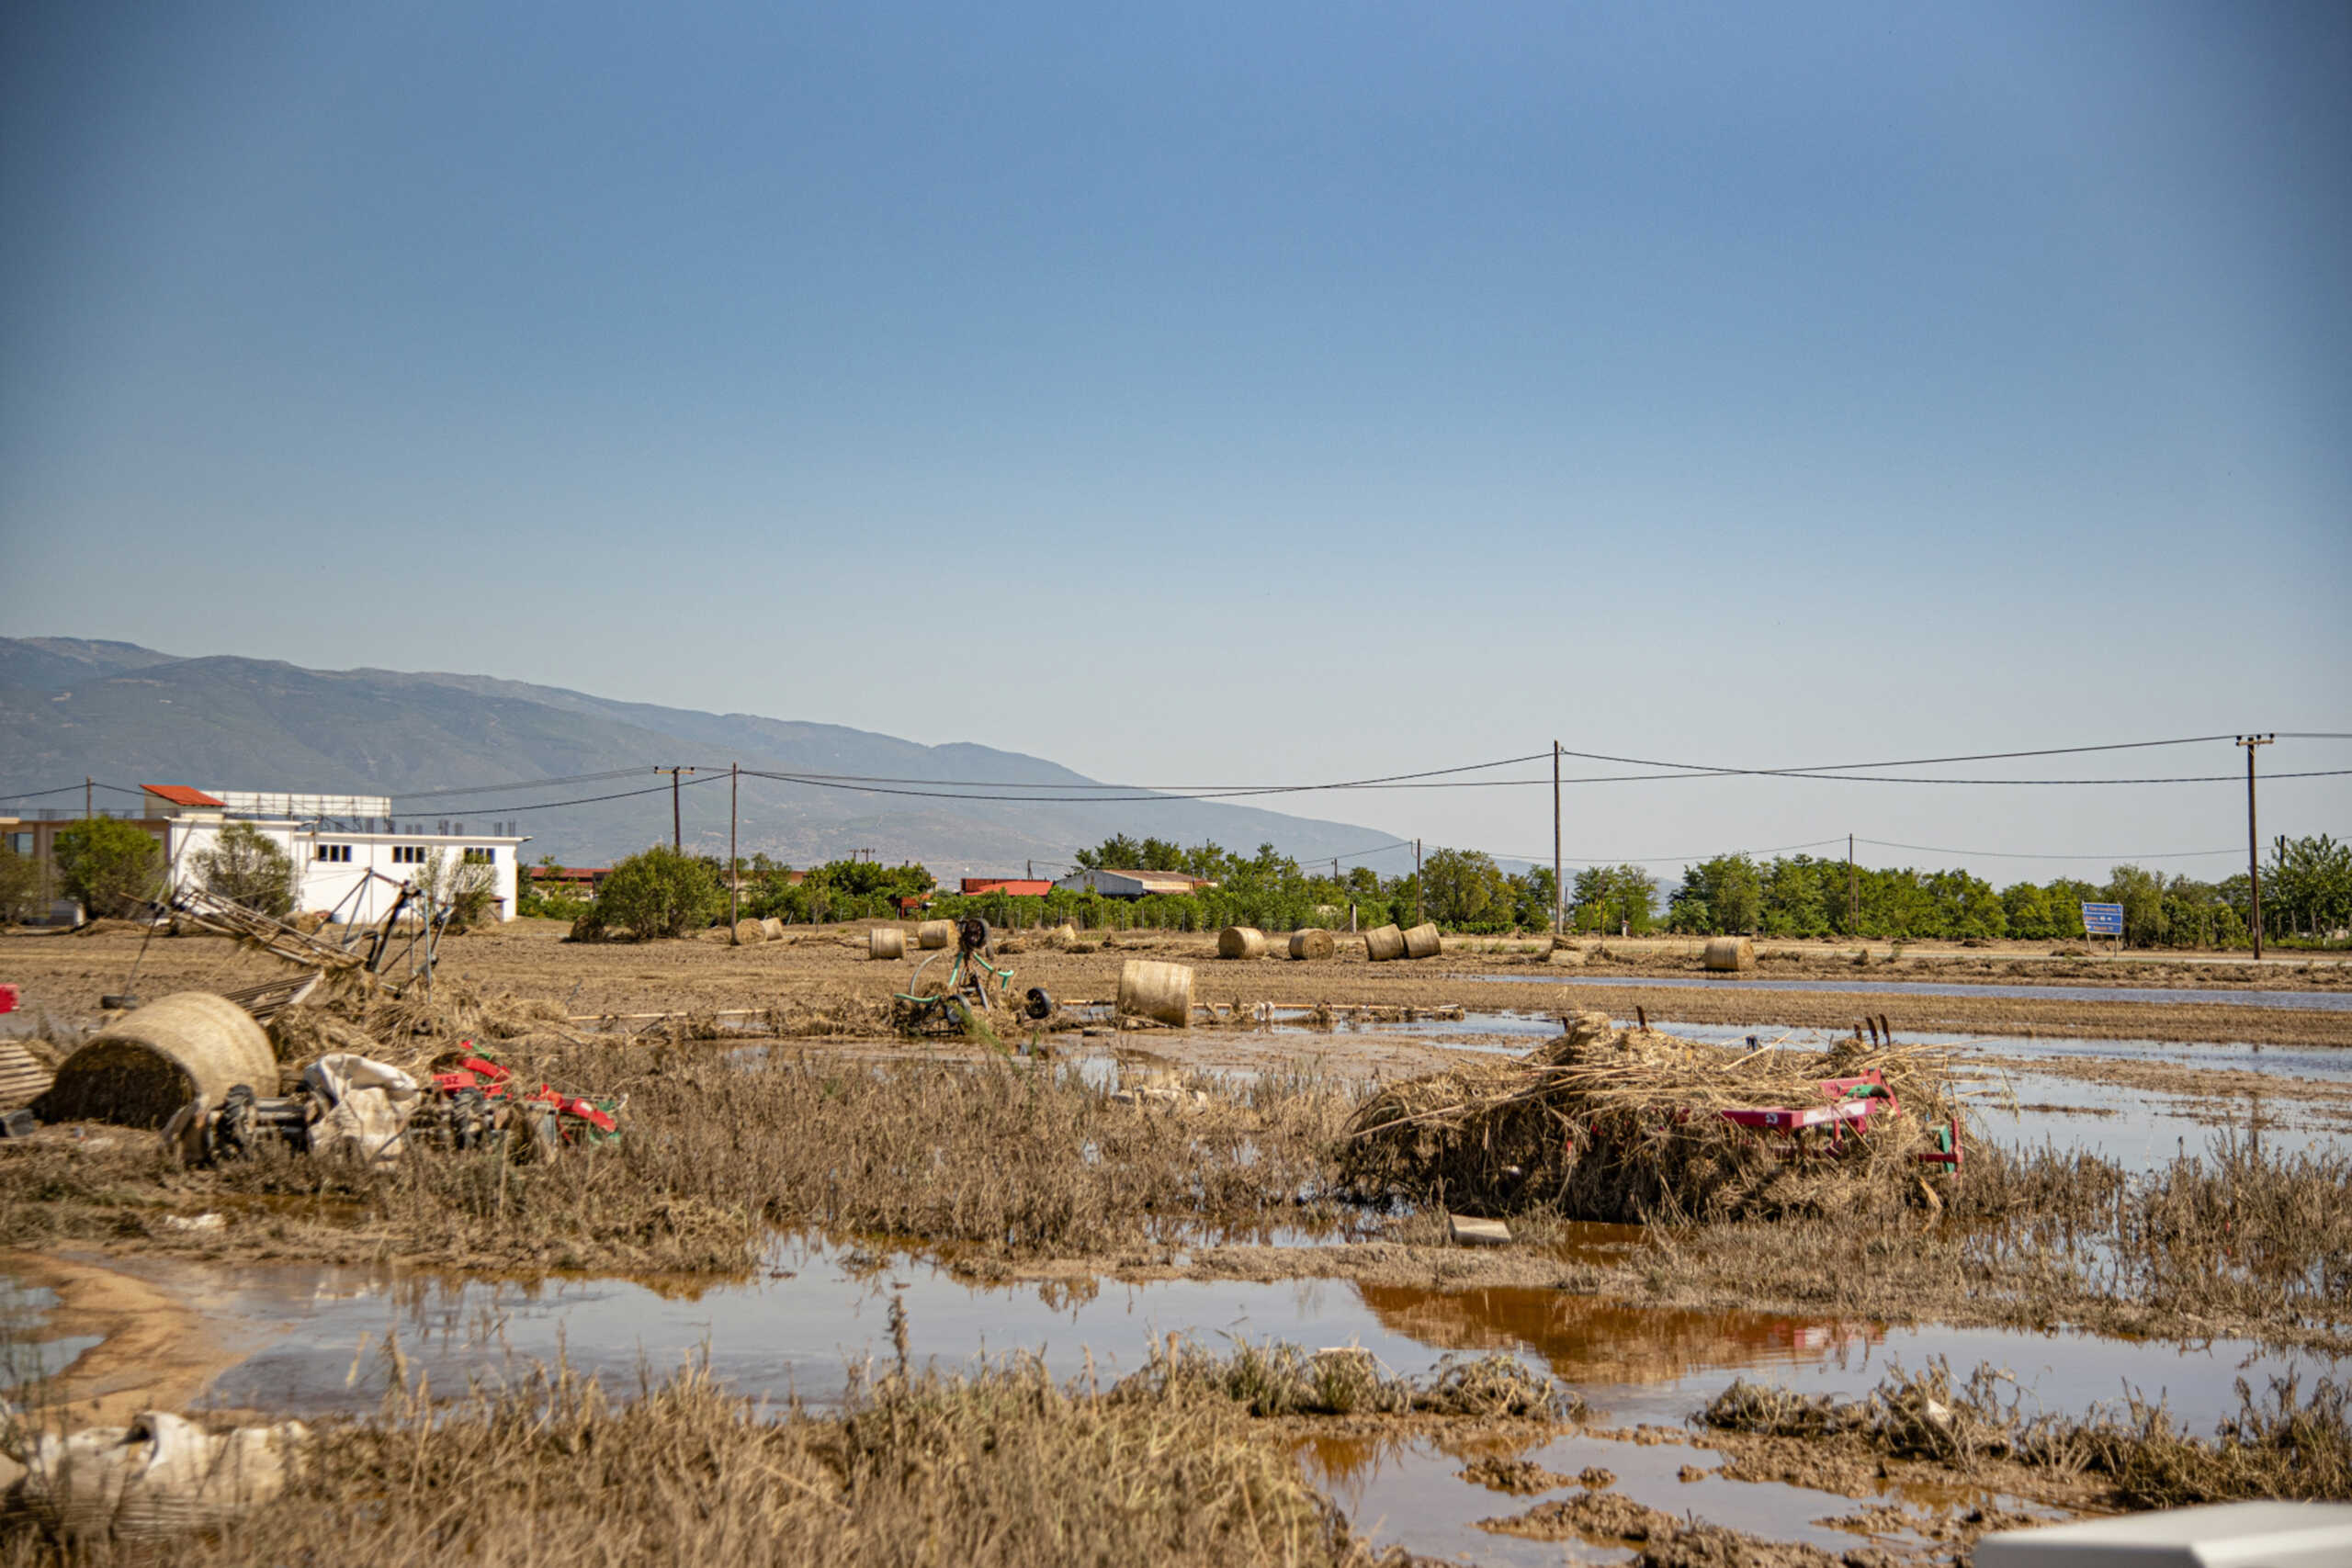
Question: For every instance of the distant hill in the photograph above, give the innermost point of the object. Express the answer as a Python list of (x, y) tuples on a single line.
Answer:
[(129, 716)]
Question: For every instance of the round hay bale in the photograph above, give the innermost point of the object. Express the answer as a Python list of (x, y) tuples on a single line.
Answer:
[(1422, 941), (1563, 951), (886, 942), (1313, 942), (1729, 954), (1241, 942), (1065, 935), (773, 926), (1384, 943), (143, 1066), (931, 935), (749, 931), (1153, 990)]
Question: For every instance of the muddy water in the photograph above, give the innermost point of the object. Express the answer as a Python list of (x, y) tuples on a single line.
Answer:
[(2138, 1128), (2320, 1001), (327, 1337)]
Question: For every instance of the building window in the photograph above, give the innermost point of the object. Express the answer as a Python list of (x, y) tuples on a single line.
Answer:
[(339, 854), (481, 856), (408, 854), (20, 843)]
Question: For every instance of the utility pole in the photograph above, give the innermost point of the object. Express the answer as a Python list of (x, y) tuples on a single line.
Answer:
[(1853, 893), (2254, 839), (1558, 903), (677, 829), (1417, 883), (734, 867), (88, 781)]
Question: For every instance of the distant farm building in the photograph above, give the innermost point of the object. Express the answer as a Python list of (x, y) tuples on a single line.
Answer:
[(350, 856), (1015, 886), (1132, 884)]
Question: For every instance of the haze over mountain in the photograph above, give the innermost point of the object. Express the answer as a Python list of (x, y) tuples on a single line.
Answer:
[(128, 715)]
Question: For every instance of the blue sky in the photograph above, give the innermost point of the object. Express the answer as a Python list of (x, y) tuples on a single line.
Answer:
[(1226, 394)]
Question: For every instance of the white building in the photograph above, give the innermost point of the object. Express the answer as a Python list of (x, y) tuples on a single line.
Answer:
[(350, 857), (1132, 884)]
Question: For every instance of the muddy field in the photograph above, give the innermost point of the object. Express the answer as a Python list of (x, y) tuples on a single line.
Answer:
[(814, 971), (808, 1209)]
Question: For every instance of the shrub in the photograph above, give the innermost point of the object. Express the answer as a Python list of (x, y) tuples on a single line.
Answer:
[(19, 885), (656, 893), (248, 868), (111, 866), (464, 886)]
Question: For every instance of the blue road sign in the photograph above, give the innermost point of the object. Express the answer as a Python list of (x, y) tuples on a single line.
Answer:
[(2102, 919)]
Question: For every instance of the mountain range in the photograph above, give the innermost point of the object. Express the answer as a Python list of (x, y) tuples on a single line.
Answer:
[(473, 749)]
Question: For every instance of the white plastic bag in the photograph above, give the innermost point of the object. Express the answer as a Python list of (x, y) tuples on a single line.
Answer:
[(368, 1105)]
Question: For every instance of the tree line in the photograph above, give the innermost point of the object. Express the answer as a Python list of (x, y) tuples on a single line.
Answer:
[(2306, 896)]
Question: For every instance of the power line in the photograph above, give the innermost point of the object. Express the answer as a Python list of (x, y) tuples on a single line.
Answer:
[(2019, 855)]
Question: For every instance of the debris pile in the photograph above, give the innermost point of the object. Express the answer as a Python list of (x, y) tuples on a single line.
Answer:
[(1635, 1124)]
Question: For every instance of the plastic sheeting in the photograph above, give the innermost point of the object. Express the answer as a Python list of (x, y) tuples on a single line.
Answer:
[(368, 1105)]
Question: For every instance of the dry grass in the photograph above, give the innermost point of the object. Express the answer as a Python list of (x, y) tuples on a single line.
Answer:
[(1621, 1125), (1010, 1158), (1005, 1466), (2282, 1445)]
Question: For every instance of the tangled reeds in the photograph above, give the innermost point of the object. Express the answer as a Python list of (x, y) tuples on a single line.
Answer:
[(1610, 1124), (2281, 1445)]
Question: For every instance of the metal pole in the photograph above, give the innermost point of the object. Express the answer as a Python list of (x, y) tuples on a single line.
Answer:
[(1558, 902), (734, 868), (2254, 840)]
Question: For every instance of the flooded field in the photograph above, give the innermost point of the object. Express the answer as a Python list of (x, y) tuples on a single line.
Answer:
[(325, 1341), (2322, 1001), (808, 1208)]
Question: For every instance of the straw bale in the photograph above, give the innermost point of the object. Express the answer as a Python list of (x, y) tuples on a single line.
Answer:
[(1241, 942), (749, 931), (933, 935), (1607, 1124), (886, 942), (772, 927), (141, 1069), (1729, 954), (1312, 943), (1423, 942), (1383, 945), (1063, 935), (306, 1034), (1162, 992)]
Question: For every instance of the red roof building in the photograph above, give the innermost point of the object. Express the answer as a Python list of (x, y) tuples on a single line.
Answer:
[(182, 795), (1017, 887)]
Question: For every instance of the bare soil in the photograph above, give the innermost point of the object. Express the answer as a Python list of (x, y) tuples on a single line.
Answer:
[(627, 984)]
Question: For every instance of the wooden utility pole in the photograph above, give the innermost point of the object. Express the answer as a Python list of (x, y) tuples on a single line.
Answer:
[(677, 828), (2254, 839), (87, 782), (1417, 881), (1853, 893), (734, 866), (1558, 899)]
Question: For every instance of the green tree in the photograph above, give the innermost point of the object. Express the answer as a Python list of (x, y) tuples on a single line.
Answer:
[(655, 893), (246, 866), (19, 885), (112, 867), (1615, 898), (1465, 890)]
